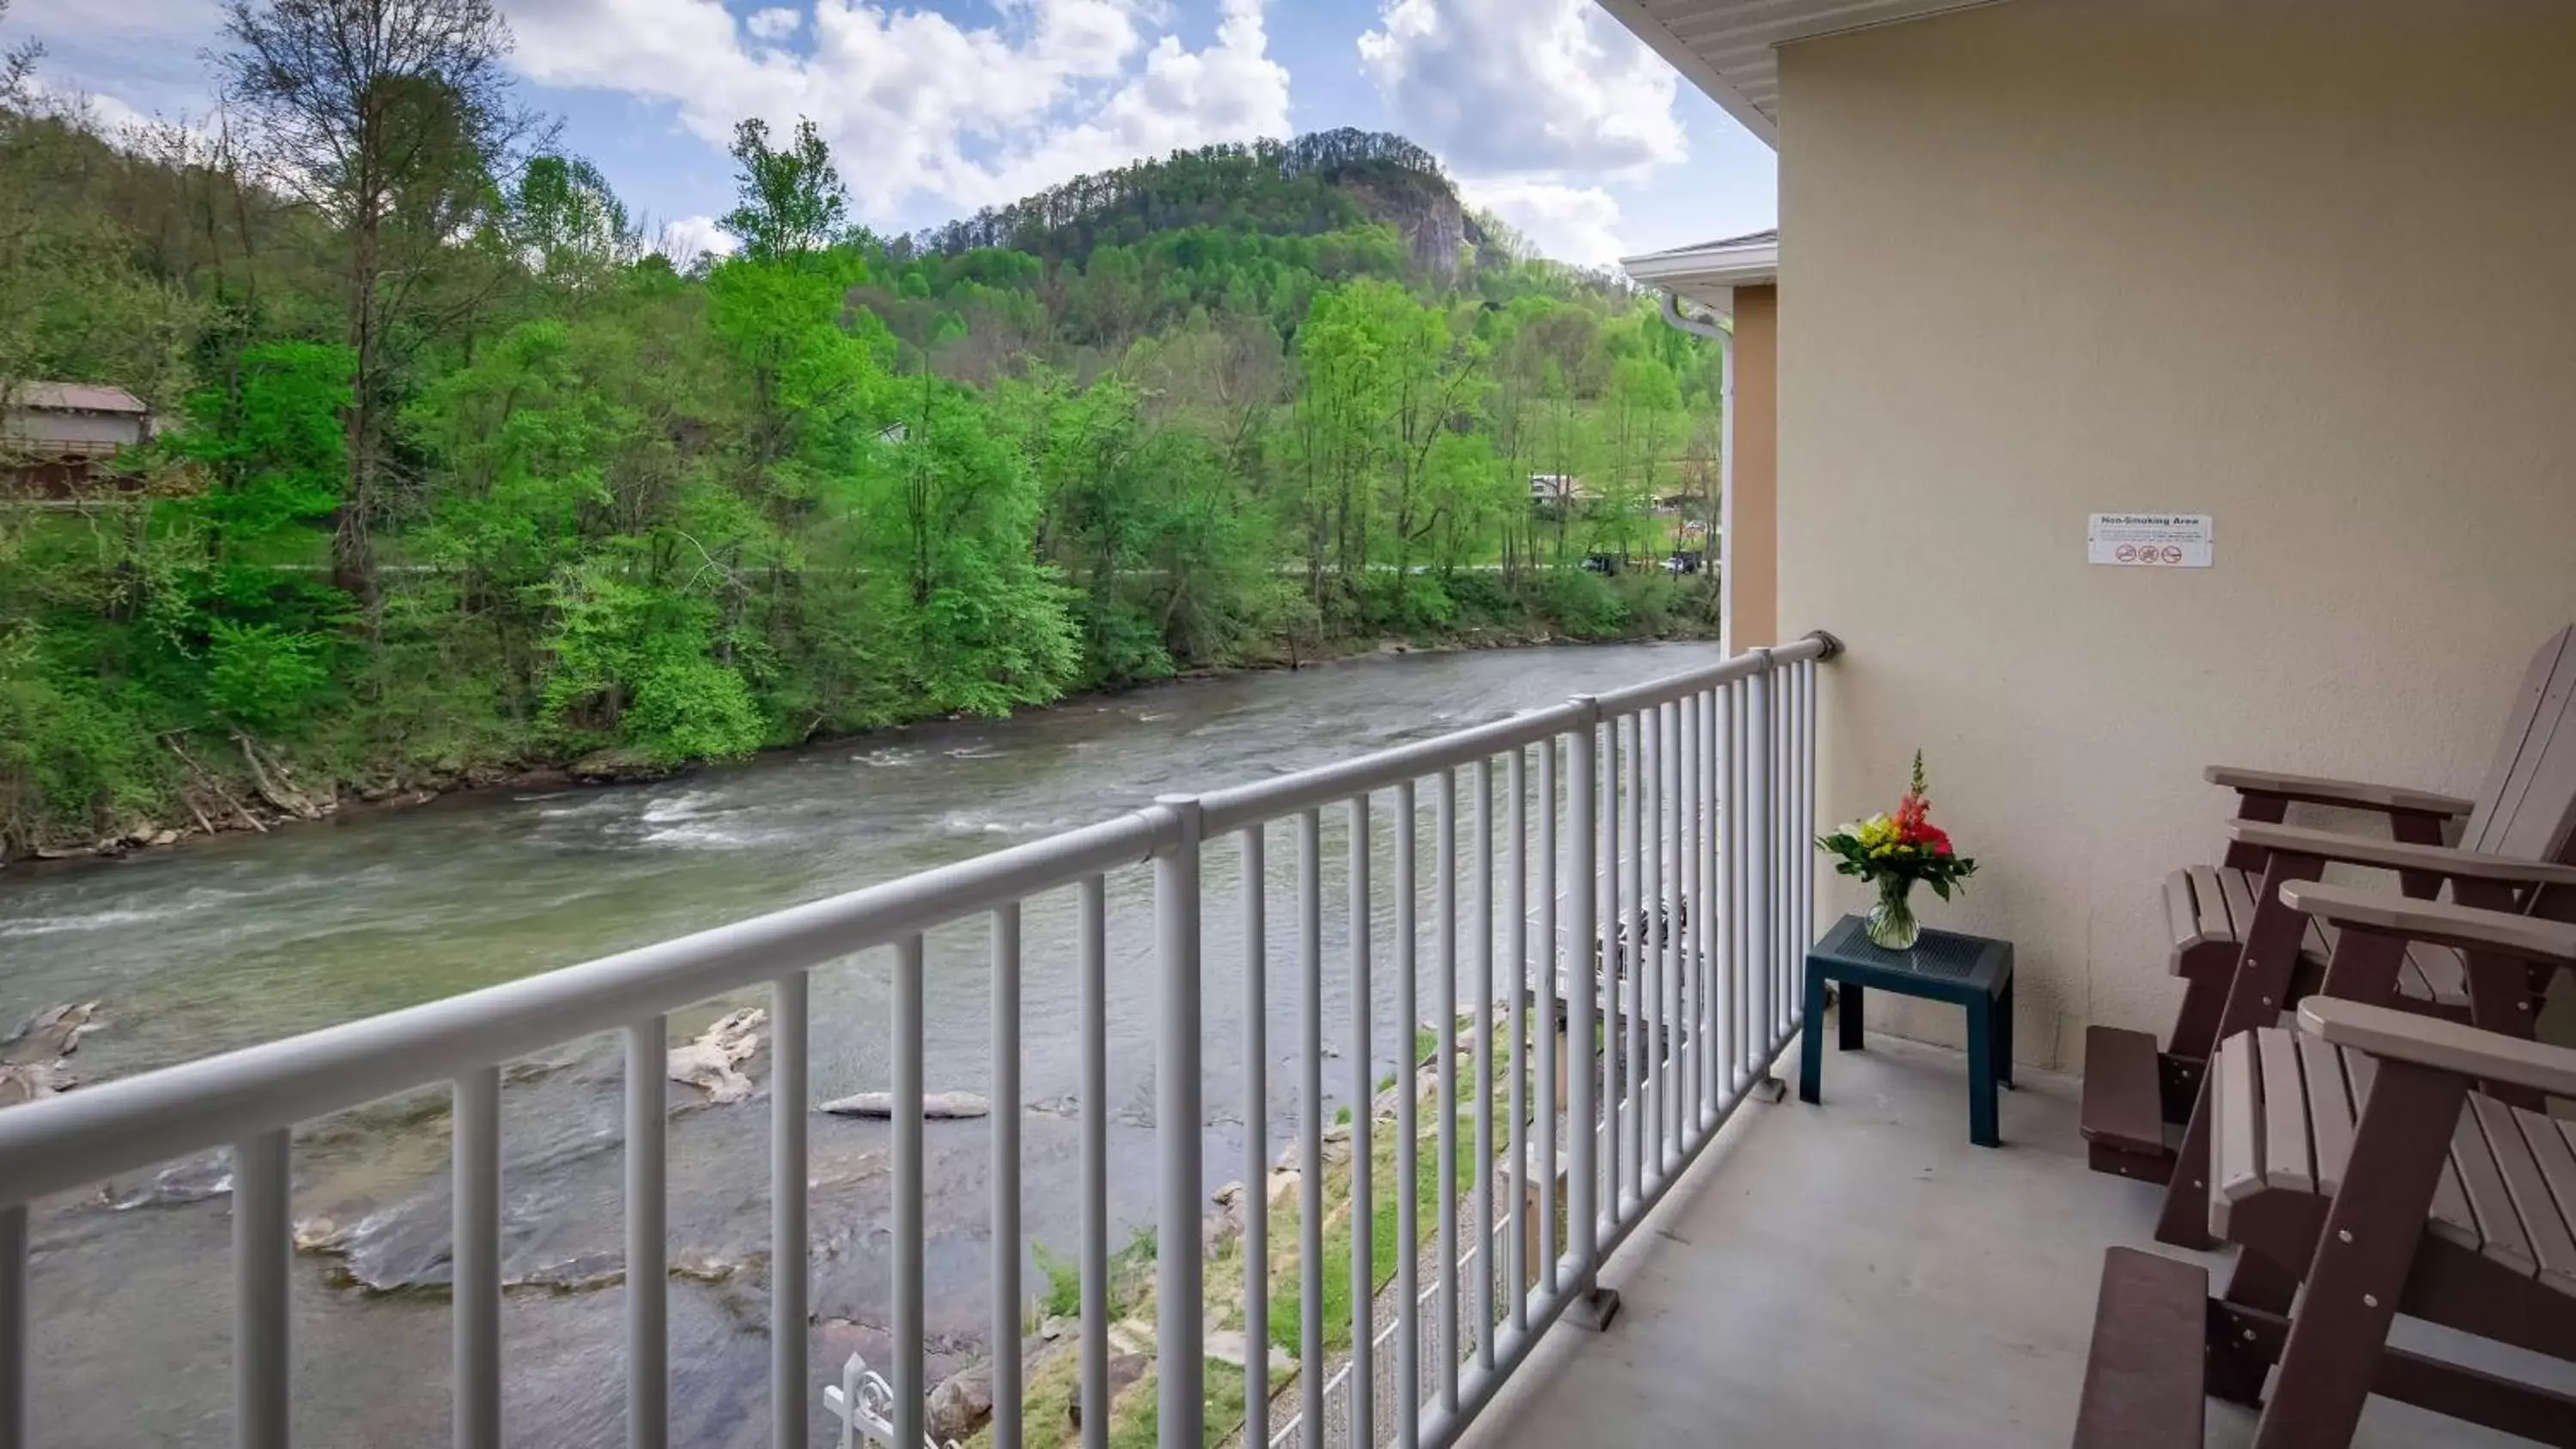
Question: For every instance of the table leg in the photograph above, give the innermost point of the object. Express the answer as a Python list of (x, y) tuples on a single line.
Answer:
[(1847, 1011), (2004, 1037), (1811, 1039), (1981, 1074)]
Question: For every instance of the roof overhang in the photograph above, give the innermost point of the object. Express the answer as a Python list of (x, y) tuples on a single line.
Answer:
[(1707, 275), (1725, 46)]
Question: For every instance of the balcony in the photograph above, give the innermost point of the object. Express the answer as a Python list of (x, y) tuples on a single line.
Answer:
[(1402, 948), (1635, 1243)]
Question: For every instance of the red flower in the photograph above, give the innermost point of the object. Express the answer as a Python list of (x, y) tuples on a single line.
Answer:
[(1938, 838)]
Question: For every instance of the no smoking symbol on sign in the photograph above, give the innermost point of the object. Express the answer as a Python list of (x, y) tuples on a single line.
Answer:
[(2172, 554), (2128, 553)]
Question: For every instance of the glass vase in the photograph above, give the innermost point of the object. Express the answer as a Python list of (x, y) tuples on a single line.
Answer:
[(1892, 926)]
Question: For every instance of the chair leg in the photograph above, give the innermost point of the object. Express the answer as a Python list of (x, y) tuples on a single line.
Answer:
[(2369, 1242), (2237, 1367), (2184, 1219)]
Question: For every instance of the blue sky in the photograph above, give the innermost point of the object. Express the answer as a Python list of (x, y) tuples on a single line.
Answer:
[(1545, 110)]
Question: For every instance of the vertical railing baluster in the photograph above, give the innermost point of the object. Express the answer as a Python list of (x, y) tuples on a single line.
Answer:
[(1094, 931), (1784, 996), (1483, 825), (17, 1425), (1739, 956), (1636, 969), (910, 1380), (1179, 1272), (1517, 782), (1310, 1128), (1445, 865), (1363, 1389), (1256, 1140), (1408, 1147), (648, 1280), (263, 1306), (1757, 861), (474, 1120), (1675, 932), (790, 1250), (1583, 1119), (1649, 830), (1612, 967), (1006, 1177), (1551, 969), (1807, 827), (1694, 960), (1714, 1069)]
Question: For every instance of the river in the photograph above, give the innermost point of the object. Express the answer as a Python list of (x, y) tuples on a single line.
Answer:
[(244, 939)]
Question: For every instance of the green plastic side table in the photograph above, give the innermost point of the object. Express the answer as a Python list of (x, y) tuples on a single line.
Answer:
[(1975, 972)]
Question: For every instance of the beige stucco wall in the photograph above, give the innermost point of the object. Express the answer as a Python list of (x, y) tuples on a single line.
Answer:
[(2308, 267)]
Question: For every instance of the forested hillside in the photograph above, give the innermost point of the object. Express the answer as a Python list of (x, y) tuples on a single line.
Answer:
[(459, 474)]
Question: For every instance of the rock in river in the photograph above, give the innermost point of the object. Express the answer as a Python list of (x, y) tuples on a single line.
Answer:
[(32, 1057), (934, 1105), (714, 1061)]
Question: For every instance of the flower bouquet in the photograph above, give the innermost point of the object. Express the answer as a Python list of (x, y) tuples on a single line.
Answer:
[(1893, 852)]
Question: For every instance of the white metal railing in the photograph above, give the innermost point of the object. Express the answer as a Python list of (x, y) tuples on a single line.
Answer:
[(1687, 800)]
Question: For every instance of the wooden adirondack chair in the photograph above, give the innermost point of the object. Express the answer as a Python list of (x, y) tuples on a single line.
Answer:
[(2357, 1158), (2244, 963)]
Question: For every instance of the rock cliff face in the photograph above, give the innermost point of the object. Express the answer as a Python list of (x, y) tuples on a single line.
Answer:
[(1425, 209)]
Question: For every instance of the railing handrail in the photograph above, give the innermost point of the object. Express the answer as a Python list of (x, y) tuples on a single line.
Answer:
[(97, 1132), (1238, 806)]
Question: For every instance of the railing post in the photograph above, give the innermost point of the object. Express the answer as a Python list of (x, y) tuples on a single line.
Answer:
[(907, 1373), (15, 1321), (1179, 1314), (1761, 945), (1592, 1305), (475, 1258), (263, 1357), (1006, 1427)]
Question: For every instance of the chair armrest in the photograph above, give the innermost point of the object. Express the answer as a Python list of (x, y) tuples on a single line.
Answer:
[(2406, 1036), (2351, 794), (2441, 860), (2527, 938)]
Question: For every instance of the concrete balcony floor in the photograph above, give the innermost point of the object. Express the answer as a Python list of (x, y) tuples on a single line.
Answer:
[(1856, 1273)]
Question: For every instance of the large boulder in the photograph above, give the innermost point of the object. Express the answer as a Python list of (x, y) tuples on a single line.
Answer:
[(714, 1061), (961, 1404)]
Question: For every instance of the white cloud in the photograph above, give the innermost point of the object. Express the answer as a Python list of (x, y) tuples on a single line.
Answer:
[(1576, 224), (691, 237), (914, 104), (775, 23), (1524, 87)]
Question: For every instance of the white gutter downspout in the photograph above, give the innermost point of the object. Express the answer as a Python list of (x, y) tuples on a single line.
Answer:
[(1724, 336)]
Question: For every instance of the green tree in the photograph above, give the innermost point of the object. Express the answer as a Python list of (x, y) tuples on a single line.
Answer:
[(390, 118), (792, 198)]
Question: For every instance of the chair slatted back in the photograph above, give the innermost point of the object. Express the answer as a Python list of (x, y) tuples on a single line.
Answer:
[(2527, 806)]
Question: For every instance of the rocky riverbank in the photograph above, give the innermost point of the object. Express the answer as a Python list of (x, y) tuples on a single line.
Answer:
[(255, 789)]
